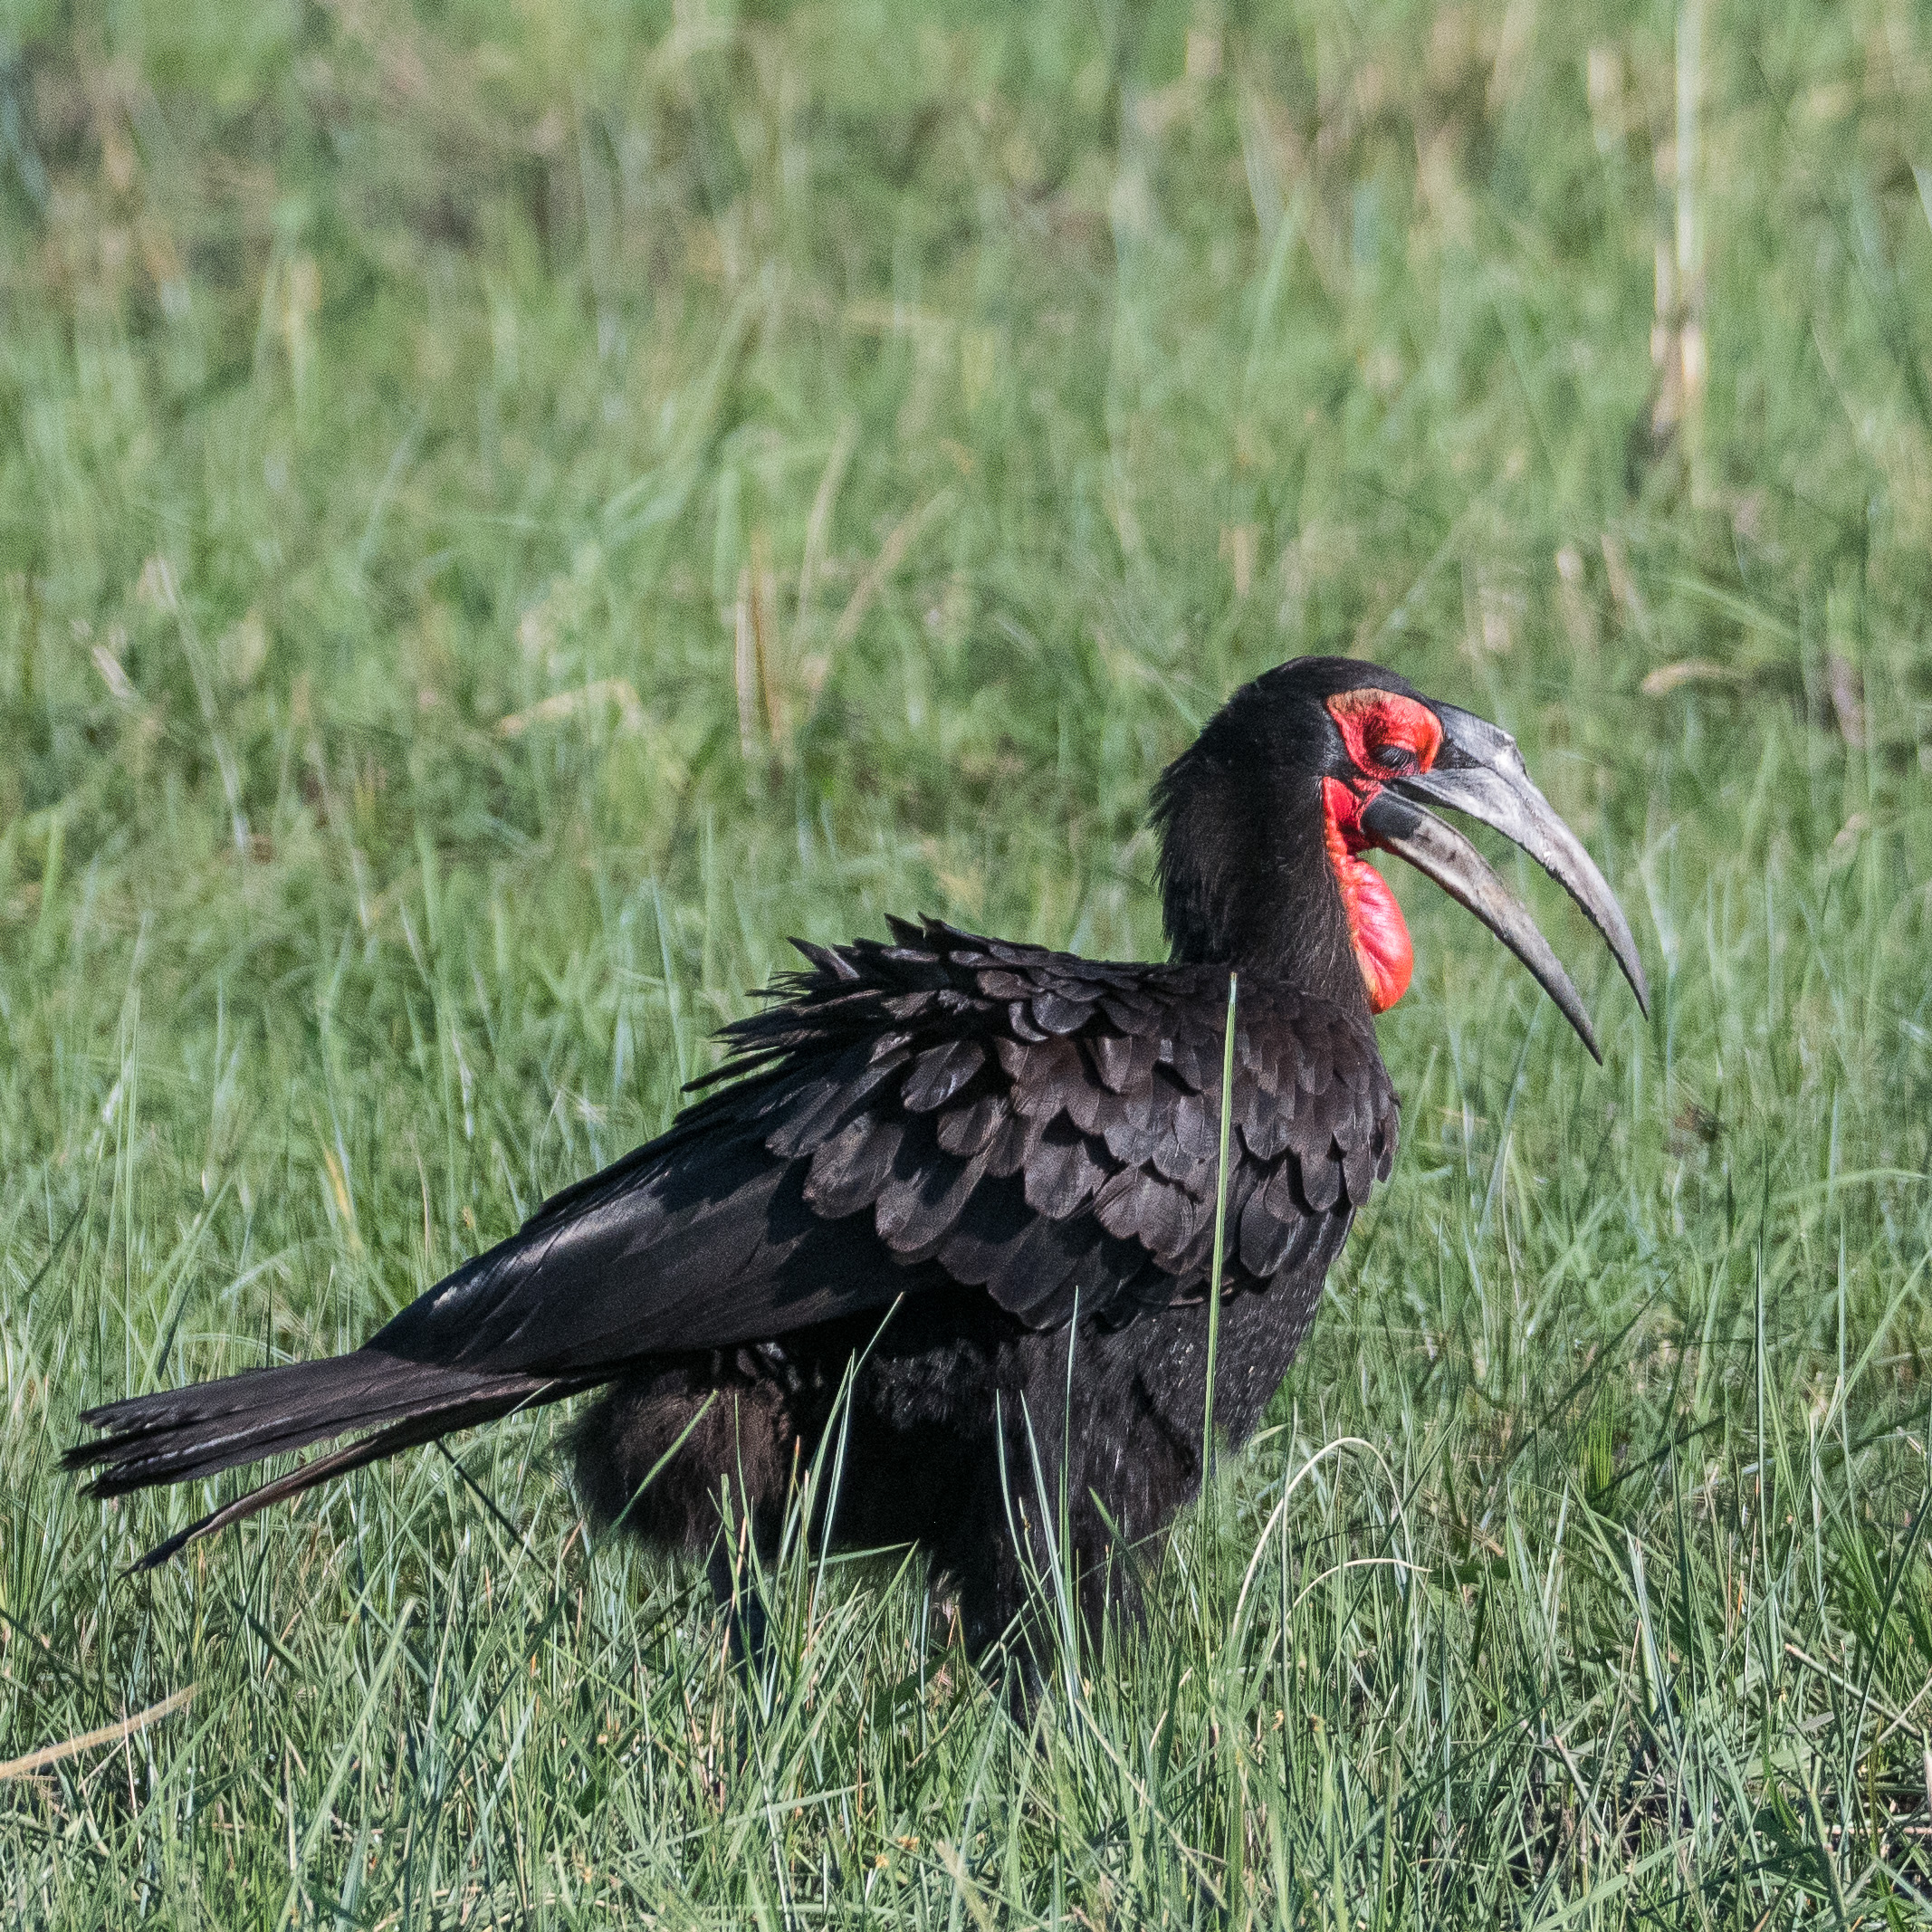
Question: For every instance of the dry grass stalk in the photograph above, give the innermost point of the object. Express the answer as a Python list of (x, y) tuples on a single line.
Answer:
[(1847, 693), (744, 664), (107, 1734), (618, 691), (818, 524), (892, 554), (765, 639), (1677, 329)]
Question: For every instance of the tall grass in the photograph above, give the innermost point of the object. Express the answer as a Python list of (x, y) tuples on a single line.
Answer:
[(506, 514)]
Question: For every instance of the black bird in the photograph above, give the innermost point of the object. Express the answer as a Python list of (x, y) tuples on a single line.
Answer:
[(988, 1173)]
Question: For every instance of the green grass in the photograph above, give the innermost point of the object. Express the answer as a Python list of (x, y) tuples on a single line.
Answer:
[(506, 513)]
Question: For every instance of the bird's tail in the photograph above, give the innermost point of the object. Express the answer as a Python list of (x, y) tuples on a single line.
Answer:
[(184, 1433)]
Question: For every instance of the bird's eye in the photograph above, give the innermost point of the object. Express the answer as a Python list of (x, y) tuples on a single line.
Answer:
[(1394, 758)]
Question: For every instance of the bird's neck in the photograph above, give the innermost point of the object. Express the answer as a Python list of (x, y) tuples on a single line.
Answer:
[(1257, 876)]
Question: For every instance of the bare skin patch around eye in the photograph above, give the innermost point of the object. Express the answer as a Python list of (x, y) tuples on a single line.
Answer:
[(1374, 721)]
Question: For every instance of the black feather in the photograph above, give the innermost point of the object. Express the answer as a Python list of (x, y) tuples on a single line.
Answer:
[(850, 1169)]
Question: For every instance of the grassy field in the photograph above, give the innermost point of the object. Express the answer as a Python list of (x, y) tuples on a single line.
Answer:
[(508, 512)]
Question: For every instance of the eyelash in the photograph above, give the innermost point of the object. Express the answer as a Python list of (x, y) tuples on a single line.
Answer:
[(1394, 758)]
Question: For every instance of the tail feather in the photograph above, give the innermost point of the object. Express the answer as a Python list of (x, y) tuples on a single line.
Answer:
[(398, 1436), (200, 1430)]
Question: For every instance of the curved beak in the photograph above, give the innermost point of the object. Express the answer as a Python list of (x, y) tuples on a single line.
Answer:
[(1479, 772)]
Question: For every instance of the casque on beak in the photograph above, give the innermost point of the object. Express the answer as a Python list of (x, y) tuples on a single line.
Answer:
[(1479, 772)]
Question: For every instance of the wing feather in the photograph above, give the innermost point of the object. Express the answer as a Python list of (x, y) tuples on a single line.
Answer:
[(940, 1072), (848, 1170), (945, 1110)]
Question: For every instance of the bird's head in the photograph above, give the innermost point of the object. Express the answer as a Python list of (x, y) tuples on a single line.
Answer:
[(1264, 821)]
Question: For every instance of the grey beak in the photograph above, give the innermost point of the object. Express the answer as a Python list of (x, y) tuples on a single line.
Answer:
[(1479, 772)]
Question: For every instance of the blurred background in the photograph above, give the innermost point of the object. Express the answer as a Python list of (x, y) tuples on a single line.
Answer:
[(506, 438), (507, 511)]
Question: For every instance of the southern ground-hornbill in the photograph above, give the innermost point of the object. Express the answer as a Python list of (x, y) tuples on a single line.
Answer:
[(987, 1173)]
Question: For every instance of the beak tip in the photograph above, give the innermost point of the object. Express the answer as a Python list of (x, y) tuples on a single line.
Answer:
[(1640, 980), (1491, 784), (1572, 1011)]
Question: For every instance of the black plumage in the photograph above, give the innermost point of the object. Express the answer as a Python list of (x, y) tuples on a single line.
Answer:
[(988, 1171)]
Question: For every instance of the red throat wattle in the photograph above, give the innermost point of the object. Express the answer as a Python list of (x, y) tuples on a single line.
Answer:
[(1373, 724), (1375, 921)]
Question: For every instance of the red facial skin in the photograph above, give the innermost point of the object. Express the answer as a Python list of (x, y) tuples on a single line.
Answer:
[(1377, 727)]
